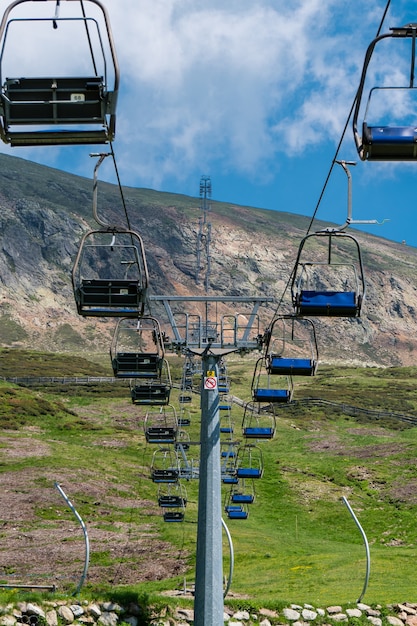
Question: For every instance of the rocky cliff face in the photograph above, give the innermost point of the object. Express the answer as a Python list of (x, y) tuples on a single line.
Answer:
[(44, 213)]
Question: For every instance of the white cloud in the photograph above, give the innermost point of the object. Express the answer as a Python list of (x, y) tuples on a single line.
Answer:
[(204, 82)]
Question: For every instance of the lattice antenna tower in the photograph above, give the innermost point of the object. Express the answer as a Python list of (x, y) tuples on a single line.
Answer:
[(204, 232)]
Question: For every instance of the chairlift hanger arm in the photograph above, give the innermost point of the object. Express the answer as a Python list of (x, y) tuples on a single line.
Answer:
[(101, 156), (349, 220)]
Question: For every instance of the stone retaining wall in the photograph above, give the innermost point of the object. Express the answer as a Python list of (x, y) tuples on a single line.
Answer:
[(64, 613)]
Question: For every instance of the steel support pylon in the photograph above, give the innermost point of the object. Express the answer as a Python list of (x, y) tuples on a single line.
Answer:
[(208, 602)]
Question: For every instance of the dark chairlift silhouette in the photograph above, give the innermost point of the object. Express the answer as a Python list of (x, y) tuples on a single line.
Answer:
[(110, 277), (55, 105), (172, 498), (161, 426), (150, 394), (137, 349), (110, 274), (153, 392), (165, 466)]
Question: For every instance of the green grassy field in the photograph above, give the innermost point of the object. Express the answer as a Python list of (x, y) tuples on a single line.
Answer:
[(299, 543)]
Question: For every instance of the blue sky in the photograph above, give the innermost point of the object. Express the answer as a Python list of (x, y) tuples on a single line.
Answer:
[(254, 94)]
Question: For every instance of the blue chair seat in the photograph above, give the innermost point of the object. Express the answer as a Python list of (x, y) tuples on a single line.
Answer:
[(258, 432), (230, 480), (392, 134), (271, 395), (300, 367), (236, 512), (243, 498), (329, 303), (390, 142), (249, 472)]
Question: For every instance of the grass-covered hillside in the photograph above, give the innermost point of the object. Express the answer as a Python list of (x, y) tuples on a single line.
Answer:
[(299, 543)]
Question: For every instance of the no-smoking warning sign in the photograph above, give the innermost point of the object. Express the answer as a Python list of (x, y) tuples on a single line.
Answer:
[(210, 382)]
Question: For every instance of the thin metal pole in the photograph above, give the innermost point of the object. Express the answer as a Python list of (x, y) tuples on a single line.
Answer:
[(208, 601), (17, 586), (232, 558), (365, 541), (87, 543)]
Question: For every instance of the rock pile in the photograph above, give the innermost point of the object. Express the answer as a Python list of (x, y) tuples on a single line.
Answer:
[(62, 613)]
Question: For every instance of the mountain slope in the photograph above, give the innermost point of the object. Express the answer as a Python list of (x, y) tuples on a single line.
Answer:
[(45, 212)]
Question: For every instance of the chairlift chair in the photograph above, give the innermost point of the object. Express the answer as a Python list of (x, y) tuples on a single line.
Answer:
[(182, 442), (228, 450), (172, 496), (184, 418), (226, 425), (243, 493), (291, 347), (249, 462), (174, 516), (56, 108), (110, 276), (257, 424), (397, 140), (228, 467), (173, 500), (151, 393), (328, 287), (137, 349), (265, 389), (229, 477), (164, 466), (161, 426)]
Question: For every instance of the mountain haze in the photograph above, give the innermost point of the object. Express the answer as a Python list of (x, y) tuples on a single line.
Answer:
[(45, 212)]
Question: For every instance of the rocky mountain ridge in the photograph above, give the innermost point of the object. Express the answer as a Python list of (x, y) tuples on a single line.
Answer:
[(45, 212)]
